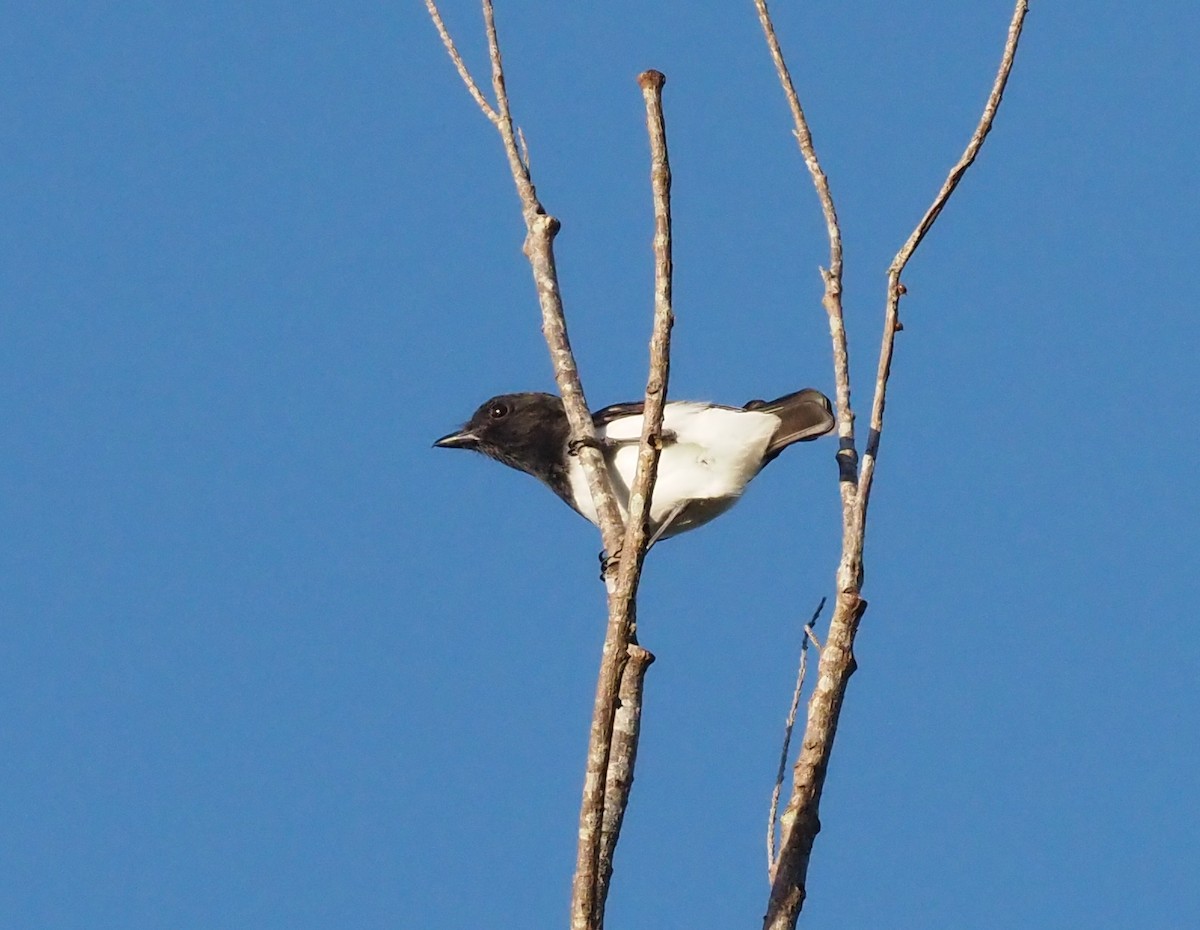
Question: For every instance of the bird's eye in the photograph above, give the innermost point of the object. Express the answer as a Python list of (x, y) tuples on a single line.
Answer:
[(498, 410)]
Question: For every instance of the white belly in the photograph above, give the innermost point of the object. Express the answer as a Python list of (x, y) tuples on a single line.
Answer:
[(713, 454)]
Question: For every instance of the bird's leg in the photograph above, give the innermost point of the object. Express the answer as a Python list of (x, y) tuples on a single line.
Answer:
[(660, 441), (662, 527), (608, 562)]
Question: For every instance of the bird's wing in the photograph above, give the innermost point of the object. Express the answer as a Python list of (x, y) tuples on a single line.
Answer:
[(621, 424), (634, 409), (602, 418)]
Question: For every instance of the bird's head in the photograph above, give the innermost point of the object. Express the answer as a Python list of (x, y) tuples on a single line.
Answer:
[(526, 431)]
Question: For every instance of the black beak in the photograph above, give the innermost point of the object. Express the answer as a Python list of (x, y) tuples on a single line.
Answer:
[(463, 439)]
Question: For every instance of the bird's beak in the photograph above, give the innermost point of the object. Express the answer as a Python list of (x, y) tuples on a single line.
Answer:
[(463, 439)]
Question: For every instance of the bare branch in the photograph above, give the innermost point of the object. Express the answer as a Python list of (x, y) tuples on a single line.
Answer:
[(800, 821), (832, 277), (976, 143), (473, 88), (619, 780), (609, 772), (541, 229), (772, 816), (636, 529), (539, 249), (895, 289), (604, 781)]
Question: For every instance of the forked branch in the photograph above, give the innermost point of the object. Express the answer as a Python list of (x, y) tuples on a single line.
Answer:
[(612, 744), (789, 725), (800, 821)]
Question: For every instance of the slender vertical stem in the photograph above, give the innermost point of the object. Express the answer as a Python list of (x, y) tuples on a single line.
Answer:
[(895, 289), (605, 781), (541, 229), (831, 276)]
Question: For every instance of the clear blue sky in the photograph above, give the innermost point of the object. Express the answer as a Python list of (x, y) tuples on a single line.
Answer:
[(270, 661)]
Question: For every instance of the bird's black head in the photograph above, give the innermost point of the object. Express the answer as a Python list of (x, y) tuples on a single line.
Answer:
[(528, 432)]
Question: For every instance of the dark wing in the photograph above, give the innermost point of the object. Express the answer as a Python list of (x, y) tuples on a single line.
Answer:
[(602, 418), (634, 409), (615, 412), (803, 415)]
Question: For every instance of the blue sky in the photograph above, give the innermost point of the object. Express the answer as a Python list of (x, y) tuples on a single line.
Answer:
[(270, 661)]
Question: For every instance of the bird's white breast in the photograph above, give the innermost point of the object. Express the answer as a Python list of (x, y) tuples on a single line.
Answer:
[(709, 454)]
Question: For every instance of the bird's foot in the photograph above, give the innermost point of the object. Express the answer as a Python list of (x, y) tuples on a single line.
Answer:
[(608, 563), (590, 442)]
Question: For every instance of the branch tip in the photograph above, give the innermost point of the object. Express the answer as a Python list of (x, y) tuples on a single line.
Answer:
[(652, 80), (616, 713)]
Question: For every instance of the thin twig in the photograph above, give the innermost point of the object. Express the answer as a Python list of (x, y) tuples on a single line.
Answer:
[(800, 821), (539, 249), (772, 855), (895, 288), (473, 88), (832, 277), (636, 529), (590, 884)]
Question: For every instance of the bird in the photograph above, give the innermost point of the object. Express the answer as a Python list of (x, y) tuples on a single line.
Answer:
[(709, 453)]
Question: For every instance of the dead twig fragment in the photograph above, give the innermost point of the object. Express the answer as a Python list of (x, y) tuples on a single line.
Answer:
[(773, 814)]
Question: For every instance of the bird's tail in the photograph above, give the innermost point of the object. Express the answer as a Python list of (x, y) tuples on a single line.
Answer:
[(804, 415)]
